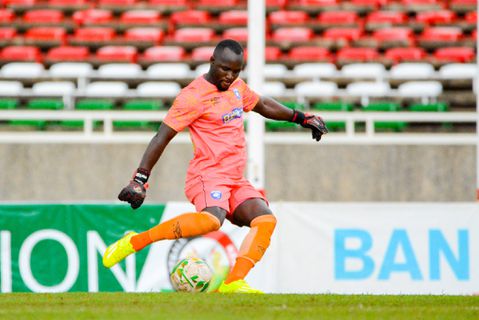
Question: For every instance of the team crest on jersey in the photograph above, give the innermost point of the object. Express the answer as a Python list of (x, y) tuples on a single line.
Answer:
[(216, 194), (236, 113), (237, 94)]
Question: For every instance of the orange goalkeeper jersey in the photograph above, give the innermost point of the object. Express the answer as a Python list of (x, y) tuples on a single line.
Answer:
[(215, 122)]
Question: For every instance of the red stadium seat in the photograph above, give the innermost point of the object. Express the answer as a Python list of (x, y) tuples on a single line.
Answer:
[(238, 34), (6, 16), (202, 53), (317, 2), (21, 53), (194, 35), (288, 17), (357, 54), (93, 34), (68, 54), (169, 2), (405, 54), (275, 4), (116, 3), (231, 3), (7, 33), (463, 5), (399, 34), (272, 53), (19, 3), (348, 34), (143, 17), (338, 17), (50, 16), (436, 17), (470, 17), (192, 17), (144, 34), (309, 54), (57, 34), (455, 54), (442, 34), (292, 34), (92, 16), (117, 53), (68, 4), (386, 17), (417, 5), (164, 53), (234, 17)]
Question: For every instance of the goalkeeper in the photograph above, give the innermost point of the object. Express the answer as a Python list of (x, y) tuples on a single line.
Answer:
[(212, 107)]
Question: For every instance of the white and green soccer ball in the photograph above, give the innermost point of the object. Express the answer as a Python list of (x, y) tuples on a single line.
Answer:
[(191, 275)]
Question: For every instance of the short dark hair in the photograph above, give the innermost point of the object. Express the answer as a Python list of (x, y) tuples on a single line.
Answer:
[(230, 44)]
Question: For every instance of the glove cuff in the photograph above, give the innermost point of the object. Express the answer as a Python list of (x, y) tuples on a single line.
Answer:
[(141, 176), (298, 117)]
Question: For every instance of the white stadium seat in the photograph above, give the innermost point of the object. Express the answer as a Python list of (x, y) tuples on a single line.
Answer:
[(275, 70), (274, 89), (22, 70), (315, 70), (120, 70), (53, 88), (420, 89), (71, 70), (10, 88), (202, 69), (364, 70), (158, 89), (169, 71), (316, 89), (458, 71), (412, 70), (367, 89), (106, 89)]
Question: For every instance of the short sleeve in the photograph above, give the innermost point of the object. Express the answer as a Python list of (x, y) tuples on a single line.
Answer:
[(250, 98), (184, 111)]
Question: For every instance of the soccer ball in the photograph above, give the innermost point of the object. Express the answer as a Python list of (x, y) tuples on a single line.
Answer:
[(191, 275)]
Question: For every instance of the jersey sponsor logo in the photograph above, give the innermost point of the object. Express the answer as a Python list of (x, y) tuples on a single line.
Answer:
[(237, 94), (215, 194), (236, 113)]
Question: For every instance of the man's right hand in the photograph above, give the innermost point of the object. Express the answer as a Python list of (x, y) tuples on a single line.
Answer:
[(135, 192)]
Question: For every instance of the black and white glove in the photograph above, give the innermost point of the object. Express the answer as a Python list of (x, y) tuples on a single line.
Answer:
[(135, 192), (310, 121)]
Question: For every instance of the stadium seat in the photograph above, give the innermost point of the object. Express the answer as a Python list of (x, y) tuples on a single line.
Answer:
[(314, 5), (22, 70), (454, 54), (410, 70), (338, 18), (7, 34), (190, 17), (68, 5), (380, 19), (385, 106), (422, 5), (106, 89), (429, 107), (169, 71), (10, 88), (93, 35), (202, 53), (144, 34), (364, 70), (462, 6), (117, 54), (316, 89), (71, 70), (116, 4), (6, 16), (294, 34), (163, 53), (420, 89), (309, 54), (92, 17), (194, 35), (274, 89), (272, 53), (67, 53), (284, 17), (238, 34), (397, 37), (397, 55), (120, 70), (275, 70), (21, 53), (345, 55), (367, 89), (233, 17), (53, 88), (458, 71), (51, 36), (436, 17), (315, 70), (202, 69), (140, 17), (344, 34), (158, 89), (43, 16), (435, 37)]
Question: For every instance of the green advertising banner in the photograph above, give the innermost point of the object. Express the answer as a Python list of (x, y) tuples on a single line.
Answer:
[(57, 248)]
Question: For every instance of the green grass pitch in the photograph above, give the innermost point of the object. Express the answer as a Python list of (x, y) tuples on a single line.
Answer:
[(135, 306)]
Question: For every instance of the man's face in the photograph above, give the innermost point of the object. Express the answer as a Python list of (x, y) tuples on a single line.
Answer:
[(225, 68)]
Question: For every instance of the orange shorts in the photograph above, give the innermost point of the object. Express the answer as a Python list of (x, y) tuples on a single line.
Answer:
[(203, 193)]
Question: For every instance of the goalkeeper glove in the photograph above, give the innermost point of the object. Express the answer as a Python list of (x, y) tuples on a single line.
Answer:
[(310, 121), (135, 192)]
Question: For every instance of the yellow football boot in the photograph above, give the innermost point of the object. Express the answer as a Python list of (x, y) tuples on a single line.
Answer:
[(119, 250), (238, 286)]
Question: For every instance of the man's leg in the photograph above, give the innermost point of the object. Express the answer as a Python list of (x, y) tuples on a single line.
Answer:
[(183, 226), (256, 214)]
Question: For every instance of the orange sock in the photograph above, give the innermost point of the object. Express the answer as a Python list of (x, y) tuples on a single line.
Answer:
[(186, 225), (253, 247)]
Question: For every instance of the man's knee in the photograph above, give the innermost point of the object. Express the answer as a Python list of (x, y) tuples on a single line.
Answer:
[(218, 212)]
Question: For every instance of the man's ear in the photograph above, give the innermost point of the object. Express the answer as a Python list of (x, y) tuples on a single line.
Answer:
[(212, 59)]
